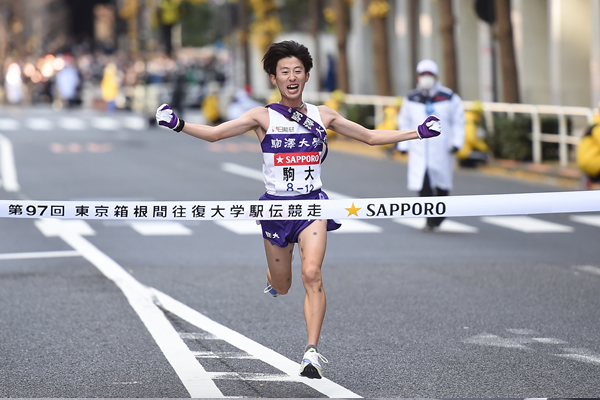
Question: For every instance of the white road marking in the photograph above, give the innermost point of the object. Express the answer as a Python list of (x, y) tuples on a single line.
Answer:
[(590, 269), (8, 169), (223, 354), (193, 376), (582, 355), (72, 123), (197, 336), (39, 124), (9, 124), (487, 339), (522, 331), (143, 300), (447, 225), (161, 228), (105, 123), (255, 377), (357, 226), (251, 347), (39, 254), (549, 340), (593, 220), (249, 227), (527, 224), (241, 227), (242, 171), (135, 123)]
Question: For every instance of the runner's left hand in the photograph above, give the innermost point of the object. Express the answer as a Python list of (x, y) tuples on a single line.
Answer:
[(431, 127)]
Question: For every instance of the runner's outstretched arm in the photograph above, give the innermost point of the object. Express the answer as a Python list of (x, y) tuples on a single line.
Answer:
[(333, 120), (249, 121)]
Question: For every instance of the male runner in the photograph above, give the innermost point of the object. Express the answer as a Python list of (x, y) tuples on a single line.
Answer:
[(288, 64)]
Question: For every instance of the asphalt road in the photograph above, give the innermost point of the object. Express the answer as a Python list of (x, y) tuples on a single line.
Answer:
[(483, 308)]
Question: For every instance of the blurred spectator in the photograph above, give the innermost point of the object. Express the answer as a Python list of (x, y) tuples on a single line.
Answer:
[(14, 84), (241, 103), (67, 82), (110, 87), (588, 154), (330, 81), (168, 16), (431, 162), (210, 105), (179, 89)]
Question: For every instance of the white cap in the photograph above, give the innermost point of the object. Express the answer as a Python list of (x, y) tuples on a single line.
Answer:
[(427, 66)]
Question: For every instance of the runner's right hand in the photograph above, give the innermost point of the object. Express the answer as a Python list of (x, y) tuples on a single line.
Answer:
[(165, 116)]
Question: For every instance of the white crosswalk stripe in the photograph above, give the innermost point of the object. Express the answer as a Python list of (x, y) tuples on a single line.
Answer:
[(593, 220), (161, 228), (9, 124), (135, 123), (105, 123), (447, 225), (72, 123), (527, 224), (75, 123), (357, 226), (40, 124), (241, 227), (247, 227)]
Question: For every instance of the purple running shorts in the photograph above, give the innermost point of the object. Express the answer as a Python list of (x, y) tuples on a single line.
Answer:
[(284, 232)]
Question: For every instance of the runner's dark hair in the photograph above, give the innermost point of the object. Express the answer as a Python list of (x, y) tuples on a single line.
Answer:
[(287, 48)]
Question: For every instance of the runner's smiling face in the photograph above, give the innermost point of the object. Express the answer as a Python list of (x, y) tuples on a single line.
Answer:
[(290, 80)]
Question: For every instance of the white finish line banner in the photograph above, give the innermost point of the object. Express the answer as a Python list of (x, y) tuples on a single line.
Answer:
[(401, 207)]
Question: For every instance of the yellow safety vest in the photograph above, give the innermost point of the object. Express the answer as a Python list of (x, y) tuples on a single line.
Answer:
[(169, 11), (588, 152)]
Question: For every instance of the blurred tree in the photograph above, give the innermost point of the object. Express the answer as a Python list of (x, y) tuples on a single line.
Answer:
[(197, 24), (378, 10), (266, 25), (413, 26), (242, 22), (340, 15), (448, 43), (315, 19), (129, 12), (169, 16), (510, 83)]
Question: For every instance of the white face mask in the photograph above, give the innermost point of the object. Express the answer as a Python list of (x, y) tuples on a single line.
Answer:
[(426, 81)]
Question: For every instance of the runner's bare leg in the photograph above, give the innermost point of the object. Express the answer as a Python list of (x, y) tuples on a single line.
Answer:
[(279, 260), (312, 242)]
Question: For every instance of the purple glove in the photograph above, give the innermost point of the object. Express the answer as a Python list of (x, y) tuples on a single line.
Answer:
[(165, 116), (431, 127)]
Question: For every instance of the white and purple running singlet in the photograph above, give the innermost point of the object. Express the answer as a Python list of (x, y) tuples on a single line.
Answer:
[(291, 155)]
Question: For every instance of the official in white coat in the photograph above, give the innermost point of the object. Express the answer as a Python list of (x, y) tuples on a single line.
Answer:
[(431, 162)]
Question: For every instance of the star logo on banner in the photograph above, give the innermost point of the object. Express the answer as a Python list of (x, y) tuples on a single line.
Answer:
[(280, 159), (353, 210)]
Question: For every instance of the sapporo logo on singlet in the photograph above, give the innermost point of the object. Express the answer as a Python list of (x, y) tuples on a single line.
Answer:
[(310, 158)]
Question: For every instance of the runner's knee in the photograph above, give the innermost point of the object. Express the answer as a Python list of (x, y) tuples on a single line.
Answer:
[(311, 276)]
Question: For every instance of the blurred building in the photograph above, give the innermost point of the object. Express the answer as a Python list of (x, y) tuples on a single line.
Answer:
[(557, 44), (32, 27)]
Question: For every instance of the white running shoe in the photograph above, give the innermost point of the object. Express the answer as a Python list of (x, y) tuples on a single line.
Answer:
[(269, 289), (310, 366)]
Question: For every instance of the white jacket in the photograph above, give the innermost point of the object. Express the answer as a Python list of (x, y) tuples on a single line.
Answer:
[(434, 154)]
